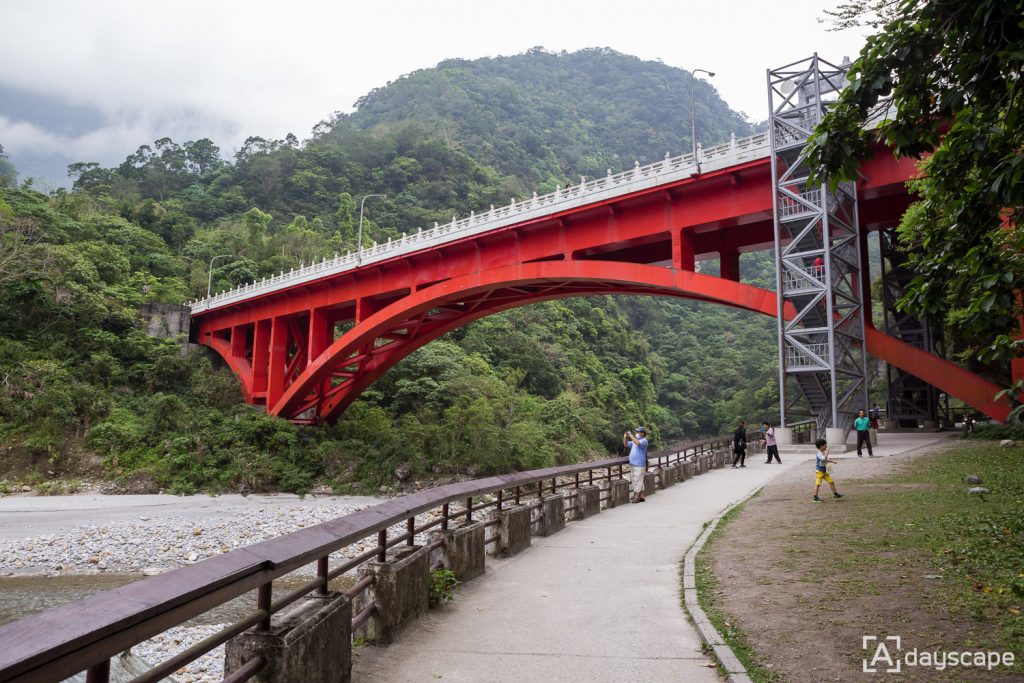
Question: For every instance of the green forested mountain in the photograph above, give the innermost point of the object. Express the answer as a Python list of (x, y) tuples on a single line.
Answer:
[(543, 117), (547, 383)]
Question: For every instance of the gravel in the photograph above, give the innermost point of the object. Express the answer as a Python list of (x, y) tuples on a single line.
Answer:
[(206, 669), (152, 546)]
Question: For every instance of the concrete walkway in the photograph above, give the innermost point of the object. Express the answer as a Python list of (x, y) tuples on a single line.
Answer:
[(599, 601)]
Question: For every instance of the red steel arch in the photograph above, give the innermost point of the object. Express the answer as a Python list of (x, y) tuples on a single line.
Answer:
[(335, 378)]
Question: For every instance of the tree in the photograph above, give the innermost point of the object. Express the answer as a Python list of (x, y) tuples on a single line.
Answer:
[(8, 174), (953, 72)]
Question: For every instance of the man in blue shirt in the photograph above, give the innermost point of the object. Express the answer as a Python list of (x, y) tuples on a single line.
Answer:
[(863, 426), (637, 461)]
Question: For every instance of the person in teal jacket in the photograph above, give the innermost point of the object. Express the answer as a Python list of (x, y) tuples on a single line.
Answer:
[(863, 426)]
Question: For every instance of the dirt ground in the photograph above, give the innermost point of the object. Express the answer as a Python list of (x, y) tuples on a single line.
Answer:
[(805, 607)]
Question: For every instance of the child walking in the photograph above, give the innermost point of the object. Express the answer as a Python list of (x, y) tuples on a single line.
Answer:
[(821, 470)]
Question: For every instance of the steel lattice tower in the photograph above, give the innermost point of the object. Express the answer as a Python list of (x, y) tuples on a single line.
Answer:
[(822, 362)]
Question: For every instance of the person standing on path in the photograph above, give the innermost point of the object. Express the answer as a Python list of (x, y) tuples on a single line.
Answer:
[(739, 445), (863, 426), (773, 448), (821, 462), (637, 461), (874, 416)]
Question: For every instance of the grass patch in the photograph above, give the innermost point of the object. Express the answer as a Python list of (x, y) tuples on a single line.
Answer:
[(907, 552), (707, 592), (975, 544)]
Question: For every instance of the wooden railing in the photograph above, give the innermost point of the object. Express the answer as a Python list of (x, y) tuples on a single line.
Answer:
[(86, 634)]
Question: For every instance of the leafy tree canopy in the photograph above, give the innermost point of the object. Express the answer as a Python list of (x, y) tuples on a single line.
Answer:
[(951, 71)]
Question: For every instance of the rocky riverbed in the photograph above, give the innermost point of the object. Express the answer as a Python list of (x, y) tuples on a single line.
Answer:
[(154, 545), (149, 545)]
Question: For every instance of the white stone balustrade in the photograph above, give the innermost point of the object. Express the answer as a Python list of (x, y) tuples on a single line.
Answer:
[(639, 177)]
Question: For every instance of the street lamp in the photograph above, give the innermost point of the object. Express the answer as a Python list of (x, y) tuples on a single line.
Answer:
[(359, 237), (693, 113), (209, 281)]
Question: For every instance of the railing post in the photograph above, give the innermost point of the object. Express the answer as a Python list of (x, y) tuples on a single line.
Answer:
[(321, 571), (98, 673), (518, 491), (444, 517), (469, 509), (382, 545), (500, 492), (263, 601), (410, 528)]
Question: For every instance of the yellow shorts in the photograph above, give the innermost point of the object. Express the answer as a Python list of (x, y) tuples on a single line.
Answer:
[(821, 476)]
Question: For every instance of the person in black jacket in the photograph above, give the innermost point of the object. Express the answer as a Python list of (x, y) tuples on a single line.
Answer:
[(739, 445)]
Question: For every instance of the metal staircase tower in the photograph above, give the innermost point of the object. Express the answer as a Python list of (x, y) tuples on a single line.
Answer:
[(822, 361), (910, 399)]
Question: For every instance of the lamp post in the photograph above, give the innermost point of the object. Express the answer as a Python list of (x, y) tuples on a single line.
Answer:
[(359, 237), (693, 113), (209, 280)]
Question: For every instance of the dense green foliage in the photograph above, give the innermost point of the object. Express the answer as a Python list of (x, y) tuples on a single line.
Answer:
[(953, 72), (549, 383)]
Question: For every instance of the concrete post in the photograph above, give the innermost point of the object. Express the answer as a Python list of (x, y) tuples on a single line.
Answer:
[(685, 471), (784, 436), (618, 493), (667, 476), (649, 488), (551, 519), (835, 437), (588, 501), (512, 531), (720, 459), (929, 426), (874, 437), (310, 640), (401, 591), (462, 550)]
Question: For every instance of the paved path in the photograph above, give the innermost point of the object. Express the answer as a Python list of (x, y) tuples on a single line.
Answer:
[(598, 601)]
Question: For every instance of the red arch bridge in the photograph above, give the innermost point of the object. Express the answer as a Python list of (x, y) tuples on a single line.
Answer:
[(304, 344)]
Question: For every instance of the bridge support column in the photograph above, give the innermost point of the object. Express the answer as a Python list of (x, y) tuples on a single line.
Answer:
[(238, 340), (277, 360), (462, 550), (512, 531), (260, 355), (783, 436), (400, 591), (552, 515), (682, 250), (618, 493), (729, 264), (310, 640)]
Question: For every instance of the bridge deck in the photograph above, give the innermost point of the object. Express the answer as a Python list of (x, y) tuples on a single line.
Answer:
[(598, 601)]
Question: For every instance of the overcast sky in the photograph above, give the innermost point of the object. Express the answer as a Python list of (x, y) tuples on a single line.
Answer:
[(94, 80)]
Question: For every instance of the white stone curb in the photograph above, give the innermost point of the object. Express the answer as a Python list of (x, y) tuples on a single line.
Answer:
[(734, 670)]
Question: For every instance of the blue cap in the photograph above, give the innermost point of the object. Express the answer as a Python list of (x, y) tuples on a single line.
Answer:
[(640, 429)]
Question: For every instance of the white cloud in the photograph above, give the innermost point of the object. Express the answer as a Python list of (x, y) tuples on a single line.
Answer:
[(228, 69)]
